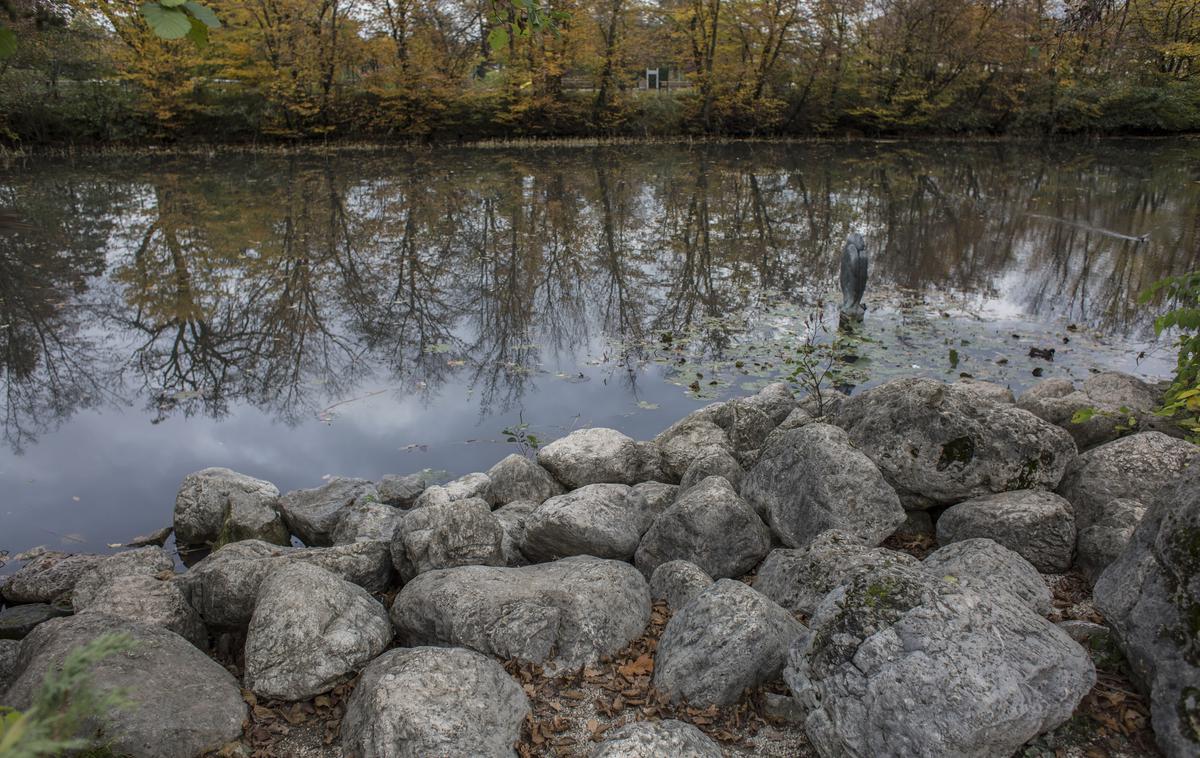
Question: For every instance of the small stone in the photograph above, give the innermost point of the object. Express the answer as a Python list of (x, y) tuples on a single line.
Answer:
[(312, 515), (445, 535), (403, 491), (709, 525), (727, 639), (678, 582), (1037, 525), (782, 708), (518, 478), (432, 701), (656, 739)]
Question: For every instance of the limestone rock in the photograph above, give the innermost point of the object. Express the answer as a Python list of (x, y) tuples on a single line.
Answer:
[(986, 566), (366, 519), (709, 525), (652, 498), (799, 579), (217, 505), (456, 533), (49, 577), (224, 586), (150, 601), (1138, 466), (402, 491), (813, 479), (727, 639), (1151, 598), (598, 456), (513, 518), (1037, 525), (19, 620), (181, 702), (564, 614), (656, 739), (518, 478), (597, 519), (678, 582), (899, 662), (713, 462), (144, 561), (419, 702), (9, 649), (312, 515), (1113, 404), (684, 442), (937, 444), (1102, 543), (310, 630)]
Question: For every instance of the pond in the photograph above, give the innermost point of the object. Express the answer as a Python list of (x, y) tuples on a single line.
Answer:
[(367, 312)]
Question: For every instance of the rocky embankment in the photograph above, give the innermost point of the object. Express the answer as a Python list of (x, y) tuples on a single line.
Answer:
[(731, 572)]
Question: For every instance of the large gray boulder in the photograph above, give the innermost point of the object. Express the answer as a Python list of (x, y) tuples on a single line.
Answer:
[(312, 515), (518, 478), (1102, 543), (713, 462), (513, 518), (425, 701), (812, 479), (17, 621), (1112, 405), (217, 505), (48, 577), (1037, 525), (9, 650), (656, 739), (709, 525), (149, 561), (181, 702), (652, 498), (367, 519), (695, 436), (986, 567), (800, 579), (937, 444), (223, 587), (467, 486), (598, 456), (151, 601), (310, 630), (1151, 599), (1138, 466), (402, 491), (900, 662), (598, 519), (447, 534), (563, 614), (678, 582), (729, 638)]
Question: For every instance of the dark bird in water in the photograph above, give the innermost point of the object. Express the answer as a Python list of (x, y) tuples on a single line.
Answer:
[(854, 276)]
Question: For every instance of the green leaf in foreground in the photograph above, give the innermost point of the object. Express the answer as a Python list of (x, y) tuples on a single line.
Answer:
[(8, 42), (168, 23), (202, 13)]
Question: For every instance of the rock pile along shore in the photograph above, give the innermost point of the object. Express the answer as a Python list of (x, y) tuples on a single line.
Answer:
[(761, 527)]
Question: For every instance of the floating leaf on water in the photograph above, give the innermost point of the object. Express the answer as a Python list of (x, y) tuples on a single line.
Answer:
[(647, 406), (440, 347)]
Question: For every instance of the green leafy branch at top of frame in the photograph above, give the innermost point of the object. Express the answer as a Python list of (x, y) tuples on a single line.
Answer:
[(176, 19)]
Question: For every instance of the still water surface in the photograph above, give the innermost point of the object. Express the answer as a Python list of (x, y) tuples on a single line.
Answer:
[(366, 313)]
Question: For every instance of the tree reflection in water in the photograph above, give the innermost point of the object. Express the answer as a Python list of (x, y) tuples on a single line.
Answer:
[(190, 286)]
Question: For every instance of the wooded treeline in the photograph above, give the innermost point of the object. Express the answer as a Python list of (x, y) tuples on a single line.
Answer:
[(91, 70)]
